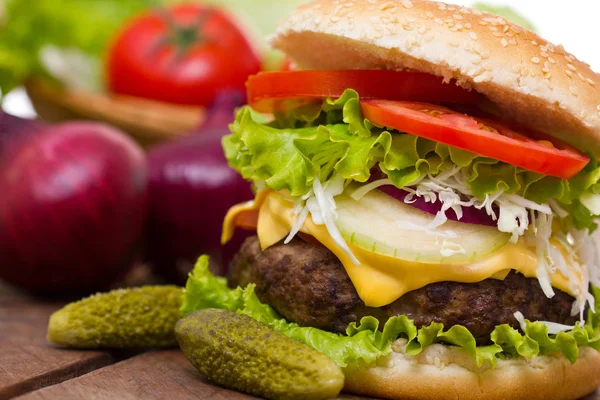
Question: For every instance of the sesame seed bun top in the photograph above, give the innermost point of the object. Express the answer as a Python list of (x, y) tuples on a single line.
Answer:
[(528, 79)]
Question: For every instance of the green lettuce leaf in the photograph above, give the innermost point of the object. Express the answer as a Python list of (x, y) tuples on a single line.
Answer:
[(366, 342), (86, 26), (294, 149)]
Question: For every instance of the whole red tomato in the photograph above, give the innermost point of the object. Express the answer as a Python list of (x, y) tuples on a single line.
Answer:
[(184, 54)]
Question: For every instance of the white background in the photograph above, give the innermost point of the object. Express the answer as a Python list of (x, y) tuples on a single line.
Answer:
[(574, 24)]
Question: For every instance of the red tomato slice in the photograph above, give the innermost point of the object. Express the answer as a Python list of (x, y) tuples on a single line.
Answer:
[(279, 91), (483, 136)]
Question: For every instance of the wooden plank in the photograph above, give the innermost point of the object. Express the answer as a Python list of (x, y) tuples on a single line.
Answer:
[(150, 376), (27, 361)]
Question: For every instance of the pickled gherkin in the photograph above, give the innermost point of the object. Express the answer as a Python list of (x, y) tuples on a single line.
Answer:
[(121, 319), (240, 353)]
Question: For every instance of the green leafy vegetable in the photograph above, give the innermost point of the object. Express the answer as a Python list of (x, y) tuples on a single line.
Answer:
[(366, 342), (84, 27), (290, 152)]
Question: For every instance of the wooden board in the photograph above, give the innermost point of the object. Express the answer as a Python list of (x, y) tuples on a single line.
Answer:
[(36, 370), (27, 362), (150, 376)]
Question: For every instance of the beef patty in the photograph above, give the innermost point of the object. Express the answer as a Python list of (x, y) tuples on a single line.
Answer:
[(307, 284)]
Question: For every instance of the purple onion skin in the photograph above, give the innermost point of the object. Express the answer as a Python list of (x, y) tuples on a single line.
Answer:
[(73, 208), (13, 129), (191, 189)]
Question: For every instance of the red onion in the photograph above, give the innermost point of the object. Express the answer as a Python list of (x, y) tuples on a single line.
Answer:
[(191, 189), (471, 215), (73, 207)]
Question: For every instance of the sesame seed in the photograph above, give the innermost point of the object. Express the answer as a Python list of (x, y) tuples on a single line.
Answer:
[(535, 60), (569, 73), (544, 54), (480, 78), (591, 82), (504, 42), (334, 18), (509, 34), (457, 17), (442, 7), (476, 12), (468, 25), (349, 4), (429, 14), (545, 70), (533, 42), (547, 82), (516, 68), (497, 34), (485, 55), (513, 42), (571, 67), (408, 4), (473, 35), (422, 30), (573, 90), (429, 37), (580, 75), (438, 21), (483, 23), (598, 107), (387, 6), (476, 60), (552, 60)]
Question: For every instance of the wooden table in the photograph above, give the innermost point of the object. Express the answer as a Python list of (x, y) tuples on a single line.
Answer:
[(31, 369)]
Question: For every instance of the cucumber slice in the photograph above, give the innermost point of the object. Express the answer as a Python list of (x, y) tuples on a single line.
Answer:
[(383, 225)]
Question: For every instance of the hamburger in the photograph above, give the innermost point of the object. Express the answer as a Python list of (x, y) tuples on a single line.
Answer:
[(427, 185)]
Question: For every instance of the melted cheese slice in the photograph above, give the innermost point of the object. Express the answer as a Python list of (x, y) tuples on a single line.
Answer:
[(380, 280)]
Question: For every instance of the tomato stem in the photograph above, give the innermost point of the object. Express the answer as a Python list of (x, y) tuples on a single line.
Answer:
[(183, 37)]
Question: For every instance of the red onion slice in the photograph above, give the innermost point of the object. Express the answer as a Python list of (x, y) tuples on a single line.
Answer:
[(471, 215)]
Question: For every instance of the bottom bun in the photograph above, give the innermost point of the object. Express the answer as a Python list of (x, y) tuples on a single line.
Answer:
[(441, 372)]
